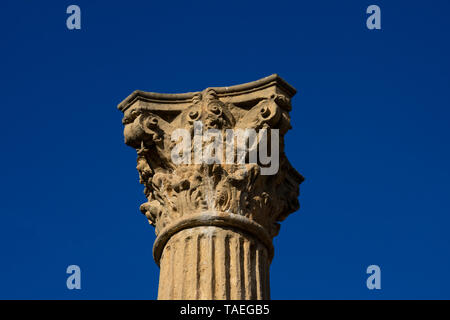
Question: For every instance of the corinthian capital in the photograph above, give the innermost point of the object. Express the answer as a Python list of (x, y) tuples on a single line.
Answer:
[(213, 166)]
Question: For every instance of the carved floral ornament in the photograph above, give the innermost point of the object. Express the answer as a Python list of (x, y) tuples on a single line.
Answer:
[(222, 193)]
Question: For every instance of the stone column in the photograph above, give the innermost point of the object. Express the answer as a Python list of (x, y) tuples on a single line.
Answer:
[(214, 216)]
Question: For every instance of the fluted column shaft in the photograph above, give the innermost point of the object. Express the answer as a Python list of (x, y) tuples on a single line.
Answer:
[(214, 263)]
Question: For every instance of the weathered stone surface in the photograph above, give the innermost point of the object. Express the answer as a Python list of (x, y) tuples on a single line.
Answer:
[(214, 221)]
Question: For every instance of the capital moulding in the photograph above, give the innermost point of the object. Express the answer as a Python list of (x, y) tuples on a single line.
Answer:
[(214, 222)]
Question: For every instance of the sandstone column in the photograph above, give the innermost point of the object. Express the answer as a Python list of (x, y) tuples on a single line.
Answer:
[(214, 221)]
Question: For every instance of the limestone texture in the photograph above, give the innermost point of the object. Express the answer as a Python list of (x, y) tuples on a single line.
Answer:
[(214, 222)]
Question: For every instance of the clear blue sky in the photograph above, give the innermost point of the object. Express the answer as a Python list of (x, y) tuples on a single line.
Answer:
[(371, 129)]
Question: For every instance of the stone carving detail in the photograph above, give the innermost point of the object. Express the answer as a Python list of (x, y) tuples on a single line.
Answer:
[(179, 194)]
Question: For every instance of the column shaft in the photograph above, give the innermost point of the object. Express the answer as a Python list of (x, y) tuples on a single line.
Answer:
[(213, 263)]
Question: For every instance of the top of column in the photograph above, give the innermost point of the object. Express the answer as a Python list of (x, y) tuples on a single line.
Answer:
[(241, 93), (214, 157)]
